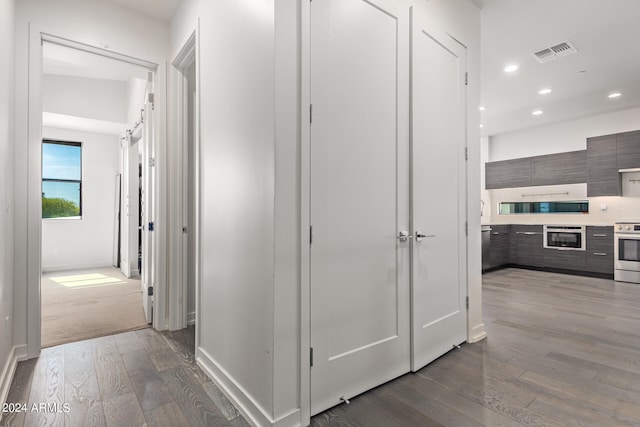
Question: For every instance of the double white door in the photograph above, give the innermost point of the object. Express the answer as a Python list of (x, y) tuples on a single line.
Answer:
[(387, 161)]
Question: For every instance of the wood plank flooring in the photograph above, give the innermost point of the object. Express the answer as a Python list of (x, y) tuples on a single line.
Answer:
[(137, 378), (562, 351)]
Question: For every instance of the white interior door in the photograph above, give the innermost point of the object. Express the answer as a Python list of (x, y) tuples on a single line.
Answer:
[(359, 197), (147, 185), (125, 208), (131, 208), (439, 290)]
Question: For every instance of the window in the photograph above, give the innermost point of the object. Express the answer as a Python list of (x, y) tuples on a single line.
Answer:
[(509, 208), (61, 179)]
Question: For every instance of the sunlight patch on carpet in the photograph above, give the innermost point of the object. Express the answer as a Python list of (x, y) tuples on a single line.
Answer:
[(83, 280)]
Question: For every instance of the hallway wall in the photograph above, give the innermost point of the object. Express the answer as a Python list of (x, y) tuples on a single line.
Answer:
[(237, 192), (98, 23), (7, 222)]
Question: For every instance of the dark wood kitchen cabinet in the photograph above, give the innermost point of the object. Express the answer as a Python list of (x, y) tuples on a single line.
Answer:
[(599, 253), (559, 168), (628, 150), (602, 167), (508, 174), (565, 259), (500, 240), (529, 241)]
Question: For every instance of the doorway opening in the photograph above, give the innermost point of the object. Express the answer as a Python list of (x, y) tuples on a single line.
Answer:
[(184, 188), (96, 194)]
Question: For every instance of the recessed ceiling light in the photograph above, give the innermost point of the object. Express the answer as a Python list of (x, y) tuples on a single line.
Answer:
[(482, 108), (481, 125), (510, 68), (615, 95), (544, 91), (537, 112)]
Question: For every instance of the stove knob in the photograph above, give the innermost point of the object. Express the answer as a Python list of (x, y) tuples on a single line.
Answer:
[(628, 227), (619, 227)]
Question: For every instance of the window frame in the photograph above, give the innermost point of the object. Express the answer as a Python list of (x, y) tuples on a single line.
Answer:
[(73, 181)]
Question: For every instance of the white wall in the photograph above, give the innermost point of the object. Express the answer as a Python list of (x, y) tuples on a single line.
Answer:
[(136, 89), (237, 193), (88, 242), (561, 137), (6, 198), (250, 310), (95, 22), (84, 97), (558, 138)]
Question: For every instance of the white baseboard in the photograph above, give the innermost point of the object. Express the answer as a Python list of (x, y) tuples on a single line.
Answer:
[(191, 318), (250, 409), (81, 266), (478, 333), (7, 375)]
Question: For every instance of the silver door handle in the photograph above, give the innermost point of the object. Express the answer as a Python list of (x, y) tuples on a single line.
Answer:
[(599, 235), (600, 253), (419, 236), (403, 236)]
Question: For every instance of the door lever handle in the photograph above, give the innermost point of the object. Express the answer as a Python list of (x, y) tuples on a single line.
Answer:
[(403, 236), (419, 236)]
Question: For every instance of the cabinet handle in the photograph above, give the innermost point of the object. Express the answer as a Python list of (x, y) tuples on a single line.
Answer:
[(600, 254), (495, 233), (599, 235), (528, 233)]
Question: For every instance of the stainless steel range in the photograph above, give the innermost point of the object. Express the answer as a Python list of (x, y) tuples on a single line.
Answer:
[(627, 252)]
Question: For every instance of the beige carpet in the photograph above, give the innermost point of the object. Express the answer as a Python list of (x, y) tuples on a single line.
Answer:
[(78, 305)]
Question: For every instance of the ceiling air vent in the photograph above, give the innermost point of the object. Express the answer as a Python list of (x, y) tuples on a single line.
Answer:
[(554, 52)]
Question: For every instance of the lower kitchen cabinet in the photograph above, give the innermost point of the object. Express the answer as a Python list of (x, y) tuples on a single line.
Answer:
[(564, 259), (529, 241), (522, 245), (500, 245), (599, 254)]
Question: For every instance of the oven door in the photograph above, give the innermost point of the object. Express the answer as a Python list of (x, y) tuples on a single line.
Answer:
[(627, 252)]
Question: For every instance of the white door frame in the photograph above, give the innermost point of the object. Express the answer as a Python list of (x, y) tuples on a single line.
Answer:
[(305, 212), (37, 35), (188, 54)]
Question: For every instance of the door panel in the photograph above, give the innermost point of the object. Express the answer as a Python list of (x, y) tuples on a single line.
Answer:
[(439, 314), (147, 186), (359, 270)]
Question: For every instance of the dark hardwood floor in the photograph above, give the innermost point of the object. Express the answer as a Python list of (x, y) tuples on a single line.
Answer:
[(131, 379), (562, 351)]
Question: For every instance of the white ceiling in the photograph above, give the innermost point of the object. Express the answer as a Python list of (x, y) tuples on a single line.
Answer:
[(160, 9), (606, 34)]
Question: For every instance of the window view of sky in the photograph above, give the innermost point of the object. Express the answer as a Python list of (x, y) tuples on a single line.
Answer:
[(61, 162)]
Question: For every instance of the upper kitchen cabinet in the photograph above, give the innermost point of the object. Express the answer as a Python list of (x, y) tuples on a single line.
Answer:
[(606, 155), (561, 168), (508, 174), (628, 150), (602, 167)]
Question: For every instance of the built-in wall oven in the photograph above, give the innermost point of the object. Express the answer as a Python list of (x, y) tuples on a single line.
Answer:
[(627, 252), (567, 237)]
